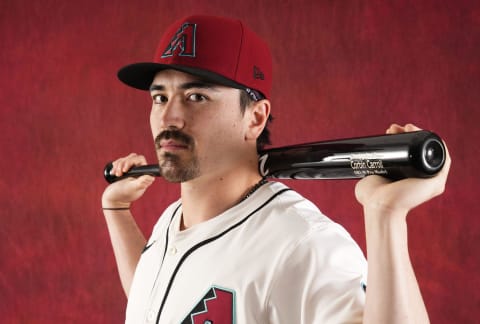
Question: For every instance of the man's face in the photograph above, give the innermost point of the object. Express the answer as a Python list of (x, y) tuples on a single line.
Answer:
[(197, 126)]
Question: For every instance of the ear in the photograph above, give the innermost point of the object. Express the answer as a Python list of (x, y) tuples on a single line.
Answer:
[(257, 116)]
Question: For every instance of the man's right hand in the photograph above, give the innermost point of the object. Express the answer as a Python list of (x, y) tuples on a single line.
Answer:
[(122, 193)]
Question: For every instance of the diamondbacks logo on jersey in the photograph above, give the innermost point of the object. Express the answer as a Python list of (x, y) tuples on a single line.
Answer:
[(183, 42), (217, 306)]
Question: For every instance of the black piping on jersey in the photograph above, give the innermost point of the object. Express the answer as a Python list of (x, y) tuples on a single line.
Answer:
[(166, 236), (166, 245), (205, 242), (166, 239)]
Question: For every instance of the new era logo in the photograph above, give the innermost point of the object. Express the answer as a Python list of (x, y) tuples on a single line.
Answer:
[(257, 73), (183, 42)]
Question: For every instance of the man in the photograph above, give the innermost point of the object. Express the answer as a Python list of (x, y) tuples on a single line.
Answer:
[(236, 248)]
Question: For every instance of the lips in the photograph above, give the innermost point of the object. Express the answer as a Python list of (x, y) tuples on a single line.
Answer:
[(173, 140), (170, 145)]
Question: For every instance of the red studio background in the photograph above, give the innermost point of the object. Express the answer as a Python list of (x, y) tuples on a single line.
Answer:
[(342, 69)]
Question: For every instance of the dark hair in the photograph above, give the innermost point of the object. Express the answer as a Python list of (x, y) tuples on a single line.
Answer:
[(264, 138)]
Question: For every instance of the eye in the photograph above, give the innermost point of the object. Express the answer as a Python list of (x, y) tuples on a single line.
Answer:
[(196, 97), (159, 99)]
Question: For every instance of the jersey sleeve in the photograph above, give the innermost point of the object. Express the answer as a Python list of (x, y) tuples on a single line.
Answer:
[(321, 279)]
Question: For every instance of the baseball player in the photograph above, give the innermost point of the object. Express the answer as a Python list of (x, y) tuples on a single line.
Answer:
[(236, 248)]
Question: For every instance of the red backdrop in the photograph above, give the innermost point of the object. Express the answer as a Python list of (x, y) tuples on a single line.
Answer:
[(342, 68)]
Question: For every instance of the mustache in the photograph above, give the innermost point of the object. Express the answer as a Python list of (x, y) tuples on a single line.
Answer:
[(173, 134)]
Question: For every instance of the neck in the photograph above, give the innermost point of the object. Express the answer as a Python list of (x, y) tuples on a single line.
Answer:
[(208, 196)]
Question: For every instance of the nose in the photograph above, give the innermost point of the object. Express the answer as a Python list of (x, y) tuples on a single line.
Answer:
[(167, 116)]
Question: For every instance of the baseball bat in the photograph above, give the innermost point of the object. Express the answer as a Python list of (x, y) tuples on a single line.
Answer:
[(151, 169), (419, 154)]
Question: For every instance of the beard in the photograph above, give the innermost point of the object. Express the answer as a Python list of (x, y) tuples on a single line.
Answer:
[(177, 167)]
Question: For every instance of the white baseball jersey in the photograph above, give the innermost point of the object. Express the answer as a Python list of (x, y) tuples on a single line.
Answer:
[(273, 258)]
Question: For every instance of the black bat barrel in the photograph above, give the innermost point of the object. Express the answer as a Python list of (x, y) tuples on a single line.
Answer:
[(418, 154)]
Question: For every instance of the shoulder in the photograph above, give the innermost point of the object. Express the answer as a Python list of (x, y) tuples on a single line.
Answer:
[(296, 227), (289, 211), (320, 269)]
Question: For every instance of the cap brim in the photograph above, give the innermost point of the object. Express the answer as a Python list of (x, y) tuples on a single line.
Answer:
[(141, 75)]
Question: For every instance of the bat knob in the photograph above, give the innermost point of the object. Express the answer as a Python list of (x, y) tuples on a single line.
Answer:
[(106, 173)]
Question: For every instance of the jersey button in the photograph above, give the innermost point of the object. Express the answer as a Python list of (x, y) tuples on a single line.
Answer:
[(151, 316), (172, 250)]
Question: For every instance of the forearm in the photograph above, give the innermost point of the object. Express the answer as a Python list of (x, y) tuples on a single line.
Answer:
[(127, 241), (393, 295)]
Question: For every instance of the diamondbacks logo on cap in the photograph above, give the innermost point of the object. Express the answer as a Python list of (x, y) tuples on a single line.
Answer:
[(217, 306), (182, 42)]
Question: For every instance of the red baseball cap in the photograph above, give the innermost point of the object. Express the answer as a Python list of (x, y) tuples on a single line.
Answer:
[(217, 49)]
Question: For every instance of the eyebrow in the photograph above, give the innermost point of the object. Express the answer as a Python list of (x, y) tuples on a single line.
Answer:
[(187, 85)]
